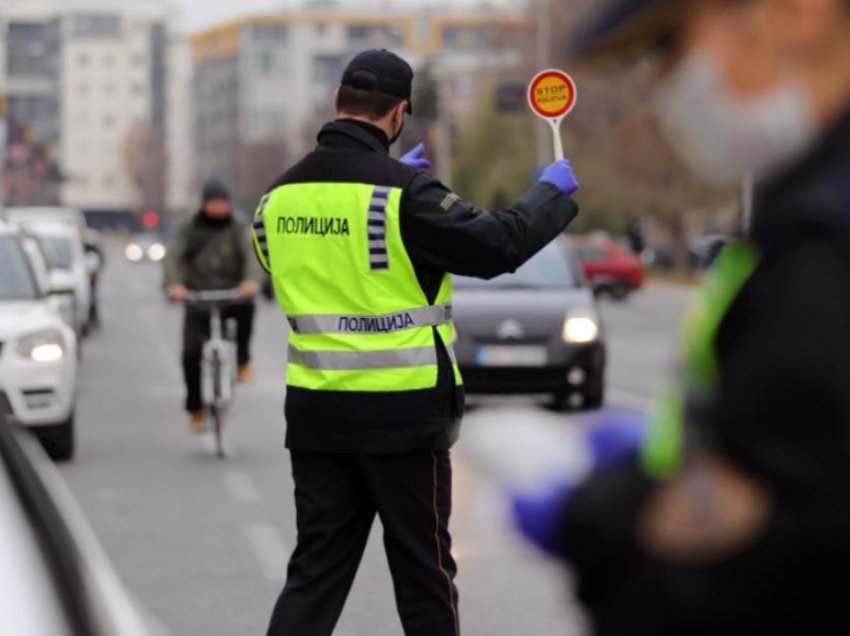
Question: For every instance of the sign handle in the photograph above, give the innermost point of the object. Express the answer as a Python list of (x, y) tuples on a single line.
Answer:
[(558, 141)]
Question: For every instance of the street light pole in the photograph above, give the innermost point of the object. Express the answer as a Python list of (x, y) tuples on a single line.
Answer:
[(544, 46)]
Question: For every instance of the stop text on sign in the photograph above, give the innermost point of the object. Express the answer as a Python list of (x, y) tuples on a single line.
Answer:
[(552, 94)]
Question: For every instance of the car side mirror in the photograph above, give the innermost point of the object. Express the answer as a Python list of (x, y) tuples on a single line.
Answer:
[(92, 263), (61, 282)]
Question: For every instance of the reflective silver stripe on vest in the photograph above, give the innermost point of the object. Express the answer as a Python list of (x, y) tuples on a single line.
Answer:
[(365, 325), (363, 360), (377, 229), (260, 233)]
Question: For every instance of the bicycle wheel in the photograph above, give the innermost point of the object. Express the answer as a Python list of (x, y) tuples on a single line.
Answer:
[(218, 433)]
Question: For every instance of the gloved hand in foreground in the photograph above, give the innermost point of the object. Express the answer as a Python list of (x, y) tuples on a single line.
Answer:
[(561, 175), (416, 159), (537, 513)]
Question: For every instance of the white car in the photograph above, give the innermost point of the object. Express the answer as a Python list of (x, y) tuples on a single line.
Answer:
[(54, 577), (69, 267), (38, 352), (69, 216)]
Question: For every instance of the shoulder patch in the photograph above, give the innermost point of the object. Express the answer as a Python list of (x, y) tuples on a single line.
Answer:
[(449, 201)]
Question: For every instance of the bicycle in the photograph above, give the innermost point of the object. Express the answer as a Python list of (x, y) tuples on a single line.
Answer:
[(218, 359)]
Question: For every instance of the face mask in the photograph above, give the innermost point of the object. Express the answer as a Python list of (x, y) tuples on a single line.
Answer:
[(724, 137), (398, 134)]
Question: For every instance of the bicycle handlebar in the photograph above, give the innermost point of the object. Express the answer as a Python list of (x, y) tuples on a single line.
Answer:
[(217, 296)]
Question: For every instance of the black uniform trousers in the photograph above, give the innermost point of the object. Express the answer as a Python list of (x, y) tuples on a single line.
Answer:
[(196, 331), (336, 499)]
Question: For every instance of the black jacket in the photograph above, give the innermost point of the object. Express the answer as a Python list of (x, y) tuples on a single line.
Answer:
[(209, 254), (782, 415), (442, 233)]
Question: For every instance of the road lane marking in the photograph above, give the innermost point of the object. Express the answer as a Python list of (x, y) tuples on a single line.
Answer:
[(269, 548), (240, 486)]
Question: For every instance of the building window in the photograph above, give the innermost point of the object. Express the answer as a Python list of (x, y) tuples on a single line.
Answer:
[(96, 25), (138, 90), (389, 35), (455, 37), (109, 121), (83, 59), (33, 49), (82, 89), (108, 61), (269, 32), (108, 88), (138, 59), (271, 61)]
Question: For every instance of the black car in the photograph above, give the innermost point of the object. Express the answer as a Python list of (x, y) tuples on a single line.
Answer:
[(535, 331)]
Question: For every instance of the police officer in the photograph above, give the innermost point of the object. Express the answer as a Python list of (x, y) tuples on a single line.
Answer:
[(733, 516), (360, 247)]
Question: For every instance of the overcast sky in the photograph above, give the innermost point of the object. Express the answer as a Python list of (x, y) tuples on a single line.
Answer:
[(200, 14)]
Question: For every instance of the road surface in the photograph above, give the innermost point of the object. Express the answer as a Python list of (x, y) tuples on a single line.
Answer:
[(202, 544)]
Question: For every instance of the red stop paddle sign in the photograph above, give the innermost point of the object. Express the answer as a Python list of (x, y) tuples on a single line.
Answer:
[(552, 95)]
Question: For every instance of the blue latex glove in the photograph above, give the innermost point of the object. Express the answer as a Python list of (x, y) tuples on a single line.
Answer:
[(620, 434), (560, 174), (415, 158), (536, 513), (536, 516)]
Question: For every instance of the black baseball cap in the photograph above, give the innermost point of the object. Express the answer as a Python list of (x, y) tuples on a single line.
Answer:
[(624, 29), (381, 71)]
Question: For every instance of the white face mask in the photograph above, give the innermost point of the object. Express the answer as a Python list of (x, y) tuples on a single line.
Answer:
[(724, 137)]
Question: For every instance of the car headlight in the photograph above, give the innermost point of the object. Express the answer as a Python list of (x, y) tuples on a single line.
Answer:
[(156, 252), (581, 328), (42, 346), (134, 253)]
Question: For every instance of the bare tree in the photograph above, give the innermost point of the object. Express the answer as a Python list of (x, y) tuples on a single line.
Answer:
[(615, 141), (147, 162), (259, 164)]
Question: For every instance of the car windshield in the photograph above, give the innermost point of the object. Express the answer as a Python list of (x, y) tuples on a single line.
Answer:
[(145, 240), (550, 269), (58, 251), (16, 281)]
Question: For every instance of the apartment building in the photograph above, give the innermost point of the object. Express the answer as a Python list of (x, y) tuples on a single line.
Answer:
[(263, 84), (94, 93)]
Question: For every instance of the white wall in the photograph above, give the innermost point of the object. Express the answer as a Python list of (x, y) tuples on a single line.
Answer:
[(181, 156)]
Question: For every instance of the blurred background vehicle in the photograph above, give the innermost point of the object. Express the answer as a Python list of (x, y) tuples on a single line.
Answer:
[(145, 247), (706, 249), (38, 352), (54, 577), (535, 331), (66, 260), (60, 288), (47, 214), (610, 269)]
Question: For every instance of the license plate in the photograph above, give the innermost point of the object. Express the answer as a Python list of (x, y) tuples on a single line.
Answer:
[(511, 356)]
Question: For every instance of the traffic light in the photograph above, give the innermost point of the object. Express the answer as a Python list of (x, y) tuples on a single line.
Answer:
[(150, 219)]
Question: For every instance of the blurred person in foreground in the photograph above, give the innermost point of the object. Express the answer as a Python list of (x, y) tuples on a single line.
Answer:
[(731, 515), (360, 247), (212, 251)]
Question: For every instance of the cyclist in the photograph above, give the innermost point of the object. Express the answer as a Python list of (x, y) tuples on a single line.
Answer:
[(211, 251)]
